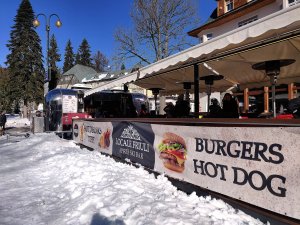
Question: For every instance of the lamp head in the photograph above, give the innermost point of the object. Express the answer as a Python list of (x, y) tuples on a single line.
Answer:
[(36, 23), (272, 68), (155, 91), (187, 85), (58, 23)]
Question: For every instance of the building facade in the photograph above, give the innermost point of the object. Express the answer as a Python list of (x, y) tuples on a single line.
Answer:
[(232, 14)]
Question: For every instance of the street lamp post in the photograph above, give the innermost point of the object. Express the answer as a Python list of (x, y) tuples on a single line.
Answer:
[(36, 23)]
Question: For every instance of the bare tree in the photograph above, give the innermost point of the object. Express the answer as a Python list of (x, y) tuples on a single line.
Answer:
[(100, 61), (159, 29)]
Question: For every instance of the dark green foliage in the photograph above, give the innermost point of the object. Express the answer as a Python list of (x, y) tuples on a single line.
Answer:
[(54, 57), (4, 90), (69, 57), (16, 108), (77, 58), (83, 56), (25, 60)]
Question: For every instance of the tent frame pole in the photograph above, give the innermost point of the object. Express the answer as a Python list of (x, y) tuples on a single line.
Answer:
[(196, 91)]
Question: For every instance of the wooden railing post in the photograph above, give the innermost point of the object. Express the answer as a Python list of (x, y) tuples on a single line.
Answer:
[(246, 100), (291, 91), (266, 99)]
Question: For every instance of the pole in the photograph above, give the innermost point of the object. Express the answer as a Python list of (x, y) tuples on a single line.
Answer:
[(273, 79), (36, 23), (48, 77), (273, 100), (208, 96), (196, 90), (155, 104)]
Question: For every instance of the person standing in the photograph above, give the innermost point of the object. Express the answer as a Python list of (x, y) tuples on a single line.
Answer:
[(2, 122)]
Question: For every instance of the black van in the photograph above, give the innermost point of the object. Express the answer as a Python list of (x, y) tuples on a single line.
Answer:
[(115, 104)]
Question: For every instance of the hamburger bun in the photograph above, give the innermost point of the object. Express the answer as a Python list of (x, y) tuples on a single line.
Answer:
[(176, 168), (173, 152), (171, 137)]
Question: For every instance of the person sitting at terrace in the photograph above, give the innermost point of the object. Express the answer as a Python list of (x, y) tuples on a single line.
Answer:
[(143, 112), (182, 107), (214, 109), (169, 110), (230, 107)]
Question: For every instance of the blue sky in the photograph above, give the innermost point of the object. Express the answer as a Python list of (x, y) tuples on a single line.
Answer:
[(95, 20)]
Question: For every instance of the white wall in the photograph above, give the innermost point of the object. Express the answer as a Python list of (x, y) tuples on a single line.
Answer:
[(260, 13)]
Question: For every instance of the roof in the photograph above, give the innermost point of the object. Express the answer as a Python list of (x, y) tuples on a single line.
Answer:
[(105, 76), (81, 72), (214, 20)]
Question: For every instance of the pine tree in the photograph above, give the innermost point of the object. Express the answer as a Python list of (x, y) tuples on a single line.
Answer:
[(69, 57), (77, 58), (25, 60), (54, 57), (83, 56), (5, 104)]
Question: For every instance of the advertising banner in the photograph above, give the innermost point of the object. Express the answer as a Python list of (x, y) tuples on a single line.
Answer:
[(94, 135), (134, 141), (258, 165)]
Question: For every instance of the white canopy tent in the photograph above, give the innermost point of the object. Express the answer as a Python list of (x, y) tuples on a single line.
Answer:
[(232, 54)]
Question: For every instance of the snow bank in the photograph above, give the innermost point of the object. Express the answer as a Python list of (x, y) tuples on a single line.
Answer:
[(47, 180)]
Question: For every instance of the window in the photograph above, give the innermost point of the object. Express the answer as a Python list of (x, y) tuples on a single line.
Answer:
[(229, 5), (293, 2), (250, 20), (209, 36)]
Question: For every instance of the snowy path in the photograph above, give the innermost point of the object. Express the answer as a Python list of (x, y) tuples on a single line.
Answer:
[(47, 180)]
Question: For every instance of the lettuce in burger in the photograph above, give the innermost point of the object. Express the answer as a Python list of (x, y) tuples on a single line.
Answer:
[(173, 151)]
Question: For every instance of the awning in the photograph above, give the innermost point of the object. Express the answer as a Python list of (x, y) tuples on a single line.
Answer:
[(230, 55), (238, 67), (172, 82), (233, 54)]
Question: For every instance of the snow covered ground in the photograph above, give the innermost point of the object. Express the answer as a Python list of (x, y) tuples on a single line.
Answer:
[(48, 180)]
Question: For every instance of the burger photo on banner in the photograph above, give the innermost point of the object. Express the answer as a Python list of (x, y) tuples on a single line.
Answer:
[(104, 141), (172, 151)]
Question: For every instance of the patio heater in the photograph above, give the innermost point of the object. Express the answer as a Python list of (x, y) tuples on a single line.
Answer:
[(187, 85), (272, 69), (155, 92), (209, 81)]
